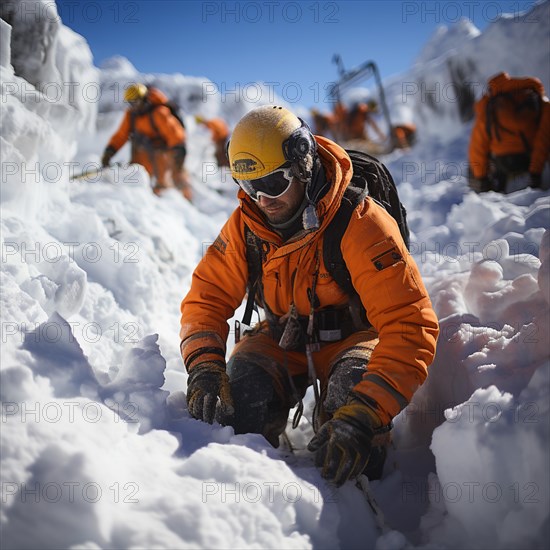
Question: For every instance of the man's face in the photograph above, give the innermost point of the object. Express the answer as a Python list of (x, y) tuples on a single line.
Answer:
[(281, 209)]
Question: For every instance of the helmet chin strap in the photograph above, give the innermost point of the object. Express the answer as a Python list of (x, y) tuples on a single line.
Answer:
[(318, 186), (310, 220)]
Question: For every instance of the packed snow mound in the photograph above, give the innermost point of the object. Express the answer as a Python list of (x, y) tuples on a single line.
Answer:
[(496, 494)]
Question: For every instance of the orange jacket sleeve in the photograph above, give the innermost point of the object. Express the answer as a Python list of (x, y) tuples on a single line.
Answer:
[(169, 128), (120, 137), (479, 141), (391, 288), (217, 289), (541, 145)]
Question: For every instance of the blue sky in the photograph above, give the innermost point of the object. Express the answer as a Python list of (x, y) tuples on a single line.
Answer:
[(287, 44)]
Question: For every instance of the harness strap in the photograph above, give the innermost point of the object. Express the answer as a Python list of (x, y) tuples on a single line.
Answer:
[(311, 345), (254, 262)]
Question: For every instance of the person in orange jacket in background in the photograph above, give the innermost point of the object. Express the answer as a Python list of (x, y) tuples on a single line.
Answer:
[(404, 135), (220, 134), (157, 138), (292, 185), (511, 133), (323, 123), (360, 118)]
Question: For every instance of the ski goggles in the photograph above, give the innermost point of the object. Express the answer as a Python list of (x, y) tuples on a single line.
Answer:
[(271, 186)]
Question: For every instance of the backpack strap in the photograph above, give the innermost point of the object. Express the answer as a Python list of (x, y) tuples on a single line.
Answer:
[(152, 121), (254, 263), (332, 238), (132, 132), (370, 178), (370, 173)]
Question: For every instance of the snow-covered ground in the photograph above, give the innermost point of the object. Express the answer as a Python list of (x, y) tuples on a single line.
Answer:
[(97, 449)]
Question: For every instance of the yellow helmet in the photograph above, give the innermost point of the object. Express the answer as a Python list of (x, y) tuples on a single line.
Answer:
[(266, 138), (134, 92)]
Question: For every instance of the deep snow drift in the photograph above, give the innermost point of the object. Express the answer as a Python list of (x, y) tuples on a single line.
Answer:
[(98, 450)]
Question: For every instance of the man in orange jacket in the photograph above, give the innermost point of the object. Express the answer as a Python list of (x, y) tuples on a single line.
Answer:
[(323, 123), (404, 135), (339, 120), (511, 134), (157, 137), (359, 118), (291, 186), (220, 134)]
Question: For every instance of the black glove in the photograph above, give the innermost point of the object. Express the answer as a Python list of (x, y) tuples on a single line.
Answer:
[(480, 185), (207, 383), (108, 154), (158, 189), (179, 152), (343, 444), (535, 180)]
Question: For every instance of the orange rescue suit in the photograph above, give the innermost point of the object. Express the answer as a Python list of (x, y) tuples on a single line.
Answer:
[(154, 132), (395, 298), (536, 133)]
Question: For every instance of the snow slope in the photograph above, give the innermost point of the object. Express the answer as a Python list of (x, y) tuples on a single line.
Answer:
[(98, 450)]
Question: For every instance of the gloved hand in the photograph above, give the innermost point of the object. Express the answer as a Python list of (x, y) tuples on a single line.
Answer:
[(535, 180), (158, 189), (206, 383), (343, 444), (108, 154), (179, 152), (480, 185)]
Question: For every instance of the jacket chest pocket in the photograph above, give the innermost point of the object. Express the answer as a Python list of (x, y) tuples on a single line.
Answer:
[(277, 288), (329, 292)]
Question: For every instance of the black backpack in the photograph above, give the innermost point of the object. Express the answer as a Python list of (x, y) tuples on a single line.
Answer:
[(370, 178), (175, 110)]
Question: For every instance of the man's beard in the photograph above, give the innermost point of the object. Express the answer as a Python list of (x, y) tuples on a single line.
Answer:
[(289, 219)]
